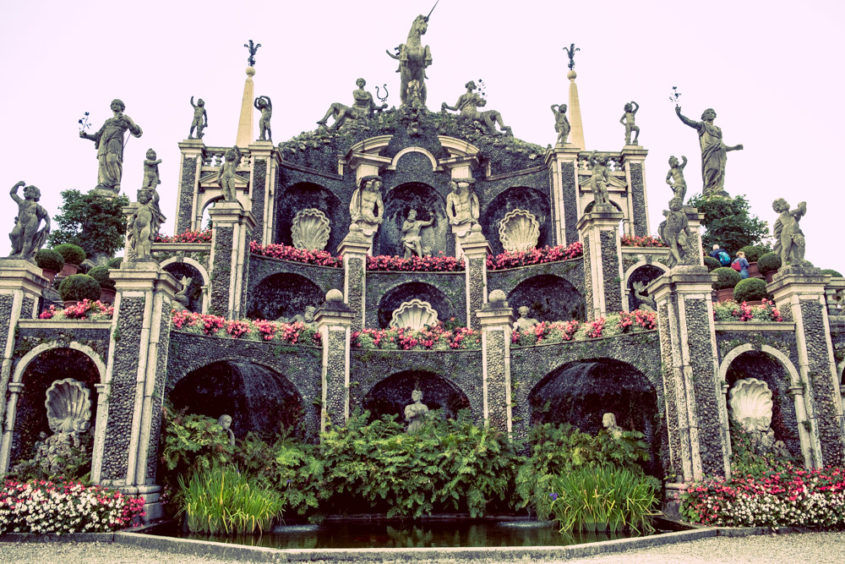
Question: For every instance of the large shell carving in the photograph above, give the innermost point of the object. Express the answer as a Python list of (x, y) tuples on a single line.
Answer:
[(751, 404), (310, 229), (519, 230), (68, 406), (415, 314)]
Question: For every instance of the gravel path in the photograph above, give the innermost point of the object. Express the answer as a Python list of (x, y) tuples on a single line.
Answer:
[(819, 548)]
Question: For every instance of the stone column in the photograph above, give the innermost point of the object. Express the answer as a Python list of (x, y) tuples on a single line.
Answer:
[(264, 169), (696, 423), (496, 320), (633, 159), (476, 249), (189, 175), (13, 392), (562, 163), (334, 321), (599, 231), (354, 249), (135, 378), (799, 294), (232, 233)]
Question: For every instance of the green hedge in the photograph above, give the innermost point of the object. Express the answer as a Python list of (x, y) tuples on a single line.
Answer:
[(711, 263), (79, 287), (769, 262), (49, 259), (754, 252), (750, 289), (73, 254), (726, 278), (101, 275)]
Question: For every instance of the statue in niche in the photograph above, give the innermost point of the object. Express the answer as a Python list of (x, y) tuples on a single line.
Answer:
[(789, 239), (367, 207), (182, 297), (675, 177), (143, 226), (468, 104), (411, 240), (628, 119), (306, 318), (225, 422), (462, 207), (362, 108), (714, 153), (226, 175), (265, 106), (109, 141), (416, 413), (751, 409), (646, 302), (599, 181), (562, 126), (25, 236), (524, 323), (68, 416), (608, 421), (675, 231), (413, 59), (200, 121)]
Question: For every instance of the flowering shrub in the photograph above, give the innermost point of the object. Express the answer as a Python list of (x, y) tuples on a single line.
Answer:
[(284, 252), (550, 332), (732, 311), (791, 497), (203, 236), (86, 309), (65, 507), (437, 338), (644, 241), (535, 256), (248, 329), (438, 263)]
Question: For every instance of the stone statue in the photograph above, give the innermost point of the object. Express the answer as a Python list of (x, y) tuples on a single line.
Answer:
[(109, 142), (415, 413), (675, 231), (714, 153), (362, 108), (570, 52), (599, 181), (789, 239), (25, 236), (411, 240), (143, 226), (225, 422), (628, 120), (306, 318), (562, 126), (608, 421), (468, 104), (253, 49), (151, 177), (413, 59), (200, 121), (524, 323), (462, 206), (646, 302), (675, 177), (226, 175), (182, 297), (265, 106), (367, 207)]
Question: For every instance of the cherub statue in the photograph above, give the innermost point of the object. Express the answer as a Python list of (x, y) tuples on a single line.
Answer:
[(562, 126), (628, 120), (25, 236), (646, 302), (151, 177), (411, 240), (143, 226), (524, 323), (675, 177), (599, 180), (362, 108), (226, 175), (307, 317), (675, 231), (182, 296), (200, 121), (789, 239), (265, 106), (468, 104)]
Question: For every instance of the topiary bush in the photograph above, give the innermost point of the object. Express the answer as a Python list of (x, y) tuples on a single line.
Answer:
[(830, 271), (79, 287), (101, 275), (73, 254), (48, 259), (726, 278), (711, 263), (768, 262), (754, 252), (750, 289), (115, 262)]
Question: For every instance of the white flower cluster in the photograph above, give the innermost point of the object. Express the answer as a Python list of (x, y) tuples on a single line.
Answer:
[(768, 510)]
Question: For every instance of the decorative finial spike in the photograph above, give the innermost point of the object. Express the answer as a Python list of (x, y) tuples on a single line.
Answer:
[(570, 52), (253, 48)]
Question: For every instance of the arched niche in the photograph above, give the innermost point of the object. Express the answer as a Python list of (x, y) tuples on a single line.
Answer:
[(549, 297), (180, 267), (307, 195), (283, 295), (395, 297), (642, 275), (391, 395), (518, 197), (258, 398), (429, 205), (204, 216)]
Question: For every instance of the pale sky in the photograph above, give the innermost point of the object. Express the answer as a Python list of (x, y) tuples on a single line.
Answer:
[(769, 68)]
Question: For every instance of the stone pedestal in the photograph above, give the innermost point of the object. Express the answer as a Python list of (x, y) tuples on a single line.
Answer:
[(476, 249), (799, 294), (334, 321), (192, 154), (496, 321), (633, 159), (229, 262), (562, 163), (262, 187), (693, 252), (695, 413), (354, 249), (599, 232)]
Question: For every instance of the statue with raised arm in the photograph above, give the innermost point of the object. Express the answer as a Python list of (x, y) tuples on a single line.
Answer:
[(362, 108), (714, 152), (411, 239), (413, 58), (789, 239), (462, 207), (200, 121), (467, 106), (628, 120), (366, 208), (675, 177), (109, 142), (265, 106), (562, 126), (25, 236), (226, 175)]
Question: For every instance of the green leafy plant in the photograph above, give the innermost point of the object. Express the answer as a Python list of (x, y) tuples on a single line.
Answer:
[(725, 278), (834, 273), (75, 465), (95, 223), (728, 222), (79, 287), (711, 263), (750, 289), (768, 263), (73, 254), (754, 252), (115, 262), (49, 259), (101, 275)]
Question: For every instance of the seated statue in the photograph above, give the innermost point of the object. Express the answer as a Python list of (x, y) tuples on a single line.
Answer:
[(363, 107), (307, 317), (524, 323), (468, 104)]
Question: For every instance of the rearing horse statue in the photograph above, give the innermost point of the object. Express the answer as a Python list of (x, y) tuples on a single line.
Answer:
[(413, 58)]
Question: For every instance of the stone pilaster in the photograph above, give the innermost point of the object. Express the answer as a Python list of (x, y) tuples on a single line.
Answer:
[(131, 397), (334, 322), (232, 233), (799, 294), (475, 249), (562, 163), (633, 159), (189, 178), (496, 319), (693, 253), (265, 169), (354, 249), (599, 232), (696, 422)]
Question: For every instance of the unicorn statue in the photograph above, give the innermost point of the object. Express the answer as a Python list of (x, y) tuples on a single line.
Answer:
[(413, 59)]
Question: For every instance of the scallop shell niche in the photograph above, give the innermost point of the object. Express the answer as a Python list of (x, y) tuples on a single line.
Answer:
[(415, 314), (310, 229), (519, 231), (751, 404), (68, 406)]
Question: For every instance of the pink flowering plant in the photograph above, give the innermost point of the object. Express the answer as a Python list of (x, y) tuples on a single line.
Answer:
[(732, 311), (286, 252), (551, 332), (643, 241), (246, 329), (42, 506), (440, 337), (86, 309), (436, 263), (535, 256), (203, 236)]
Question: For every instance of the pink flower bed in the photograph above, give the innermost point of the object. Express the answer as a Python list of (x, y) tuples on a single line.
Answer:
[(203, 236), (285, 252), (85, 309), (732, 311), (432, 338), (437, 263), (535, 256), (248, 329), (549, 332), (644, 241)]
